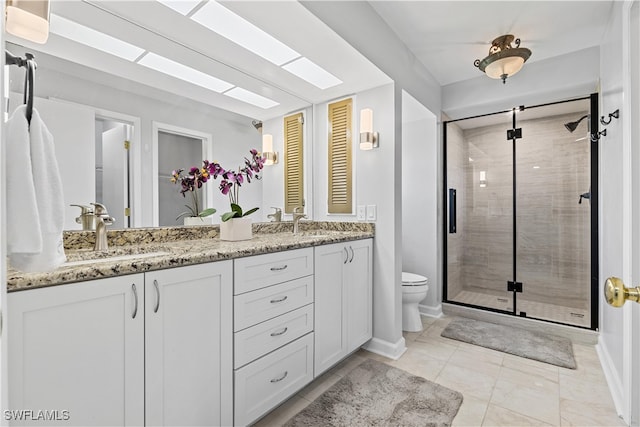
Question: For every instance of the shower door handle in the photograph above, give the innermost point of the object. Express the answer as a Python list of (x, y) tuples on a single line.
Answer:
[(617, 294), (452, 210)]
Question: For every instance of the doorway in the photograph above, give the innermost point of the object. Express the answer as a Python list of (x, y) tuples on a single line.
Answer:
[(177, 148)]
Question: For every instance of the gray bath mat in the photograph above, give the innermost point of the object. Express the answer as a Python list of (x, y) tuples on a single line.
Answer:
[(376, 394), (532, 345)]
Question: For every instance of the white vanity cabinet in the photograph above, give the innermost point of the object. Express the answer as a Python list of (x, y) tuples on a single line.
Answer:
[(78, 348), (152, 348), (343, 300), (188, 342), (273, 330)]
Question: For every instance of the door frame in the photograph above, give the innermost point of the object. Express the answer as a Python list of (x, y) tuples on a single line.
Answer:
[(207, 152), (135, 160), (594, 208)]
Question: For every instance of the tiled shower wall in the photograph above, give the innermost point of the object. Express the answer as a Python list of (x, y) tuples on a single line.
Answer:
[(553, 229)]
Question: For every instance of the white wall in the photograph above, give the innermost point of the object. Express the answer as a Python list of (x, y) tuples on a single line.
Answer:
[(571, 75), (420, 164), (376, 182)]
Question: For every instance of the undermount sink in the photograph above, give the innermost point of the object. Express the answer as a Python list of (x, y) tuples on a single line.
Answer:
[(115, 258)]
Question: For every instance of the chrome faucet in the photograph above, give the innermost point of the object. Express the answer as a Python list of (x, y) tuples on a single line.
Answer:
[(277, 215), (102, 219), (297, 216), (86, 218)]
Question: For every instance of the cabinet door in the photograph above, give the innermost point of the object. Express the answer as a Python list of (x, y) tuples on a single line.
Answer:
[(189, 345), (79, 348), (358, 284), (330, 333)]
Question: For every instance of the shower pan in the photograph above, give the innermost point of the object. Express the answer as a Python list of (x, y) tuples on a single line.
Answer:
[(521, 229)]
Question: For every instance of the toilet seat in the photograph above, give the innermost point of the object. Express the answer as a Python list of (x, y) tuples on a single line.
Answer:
[(411, 279)]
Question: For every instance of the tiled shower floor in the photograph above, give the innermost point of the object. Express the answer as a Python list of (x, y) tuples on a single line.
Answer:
[(499, 389), (538, 310)]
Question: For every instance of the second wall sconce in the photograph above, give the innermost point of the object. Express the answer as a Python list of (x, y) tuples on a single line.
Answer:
[(28, 19), (368, 138), (270, 156)]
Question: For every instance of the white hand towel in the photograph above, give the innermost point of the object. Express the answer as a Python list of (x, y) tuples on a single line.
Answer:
[(49, 199), (23, 220)]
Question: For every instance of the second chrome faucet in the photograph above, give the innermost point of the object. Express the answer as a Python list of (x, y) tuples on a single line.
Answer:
[(297, 216)]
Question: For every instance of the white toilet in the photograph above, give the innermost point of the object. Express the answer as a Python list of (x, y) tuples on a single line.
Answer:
[(414, 290)]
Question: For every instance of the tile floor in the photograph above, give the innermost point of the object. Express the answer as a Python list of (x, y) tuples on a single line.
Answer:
[(499, 389)]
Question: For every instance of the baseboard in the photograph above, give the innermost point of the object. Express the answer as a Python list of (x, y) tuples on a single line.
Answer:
[(614, 382), (386, 348), (431, 311)]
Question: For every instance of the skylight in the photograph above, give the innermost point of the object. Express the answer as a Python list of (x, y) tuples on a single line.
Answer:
[(92, 38), (183, 72), (181, 6), (312, 73), (252, 98), (221, 20)]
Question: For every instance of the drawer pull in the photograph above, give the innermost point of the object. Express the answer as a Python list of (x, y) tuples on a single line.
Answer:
[(275, 301), (276, 380), (277, 334), (135, 296), (279, 268), (155, 284)]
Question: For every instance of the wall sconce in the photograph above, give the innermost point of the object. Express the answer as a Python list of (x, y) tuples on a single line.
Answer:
[(483, 179), (368, 138), (28, 19), (270, 156)]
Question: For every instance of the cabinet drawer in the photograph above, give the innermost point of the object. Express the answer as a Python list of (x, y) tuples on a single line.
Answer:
[(263, 384), (260, 271), (267, 336), (264, 304)]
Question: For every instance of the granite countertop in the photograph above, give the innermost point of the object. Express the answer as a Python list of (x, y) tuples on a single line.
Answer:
[(146, 249)]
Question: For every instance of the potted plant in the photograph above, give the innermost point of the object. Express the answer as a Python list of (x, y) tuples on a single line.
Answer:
[(192, 183), (235, 225)]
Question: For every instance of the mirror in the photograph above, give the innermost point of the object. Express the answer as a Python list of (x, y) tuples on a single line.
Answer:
[(85, 80), (106, 124)]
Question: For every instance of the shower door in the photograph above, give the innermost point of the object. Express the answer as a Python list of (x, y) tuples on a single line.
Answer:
[(518, 234)]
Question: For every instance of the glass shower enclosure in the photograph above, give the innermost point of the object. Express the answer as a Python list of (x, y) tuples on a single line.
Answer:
[(521, 226)]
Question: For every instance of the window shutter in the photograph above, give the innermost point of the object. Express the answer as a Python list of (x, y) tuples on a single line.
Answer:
[(340, 157), (293, 164)]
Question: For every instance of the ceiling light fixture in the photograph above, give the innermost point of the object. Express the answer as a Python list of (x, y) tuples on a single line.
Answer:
[(183, 72), (68, 29), (311, 72), (223, 21), (252, 98), (503, 60)]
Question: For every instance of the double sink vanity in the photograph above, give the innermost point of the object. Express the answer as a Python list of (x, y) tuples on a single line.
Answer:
[(172, 326)]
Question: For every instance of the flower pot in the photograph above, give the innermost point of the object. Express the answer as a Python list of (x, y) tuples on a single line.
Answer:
[(198, 220), (236, 229)]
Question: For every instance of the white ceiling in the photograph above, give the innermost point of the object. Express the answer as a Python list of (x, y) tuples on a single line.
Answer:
[(447, 36)]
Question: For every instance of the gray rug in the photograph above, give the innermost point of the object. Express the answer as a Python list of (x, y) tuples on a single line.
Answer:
[(532, 345), (376, 394)]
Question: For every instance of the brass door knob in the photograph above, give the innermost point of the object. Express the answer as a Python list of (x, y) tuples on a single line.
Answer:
[(616, 293)]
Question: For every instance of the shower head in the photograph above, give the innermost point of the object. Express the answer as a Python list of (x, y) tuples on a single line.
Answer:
[(571, 126)]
